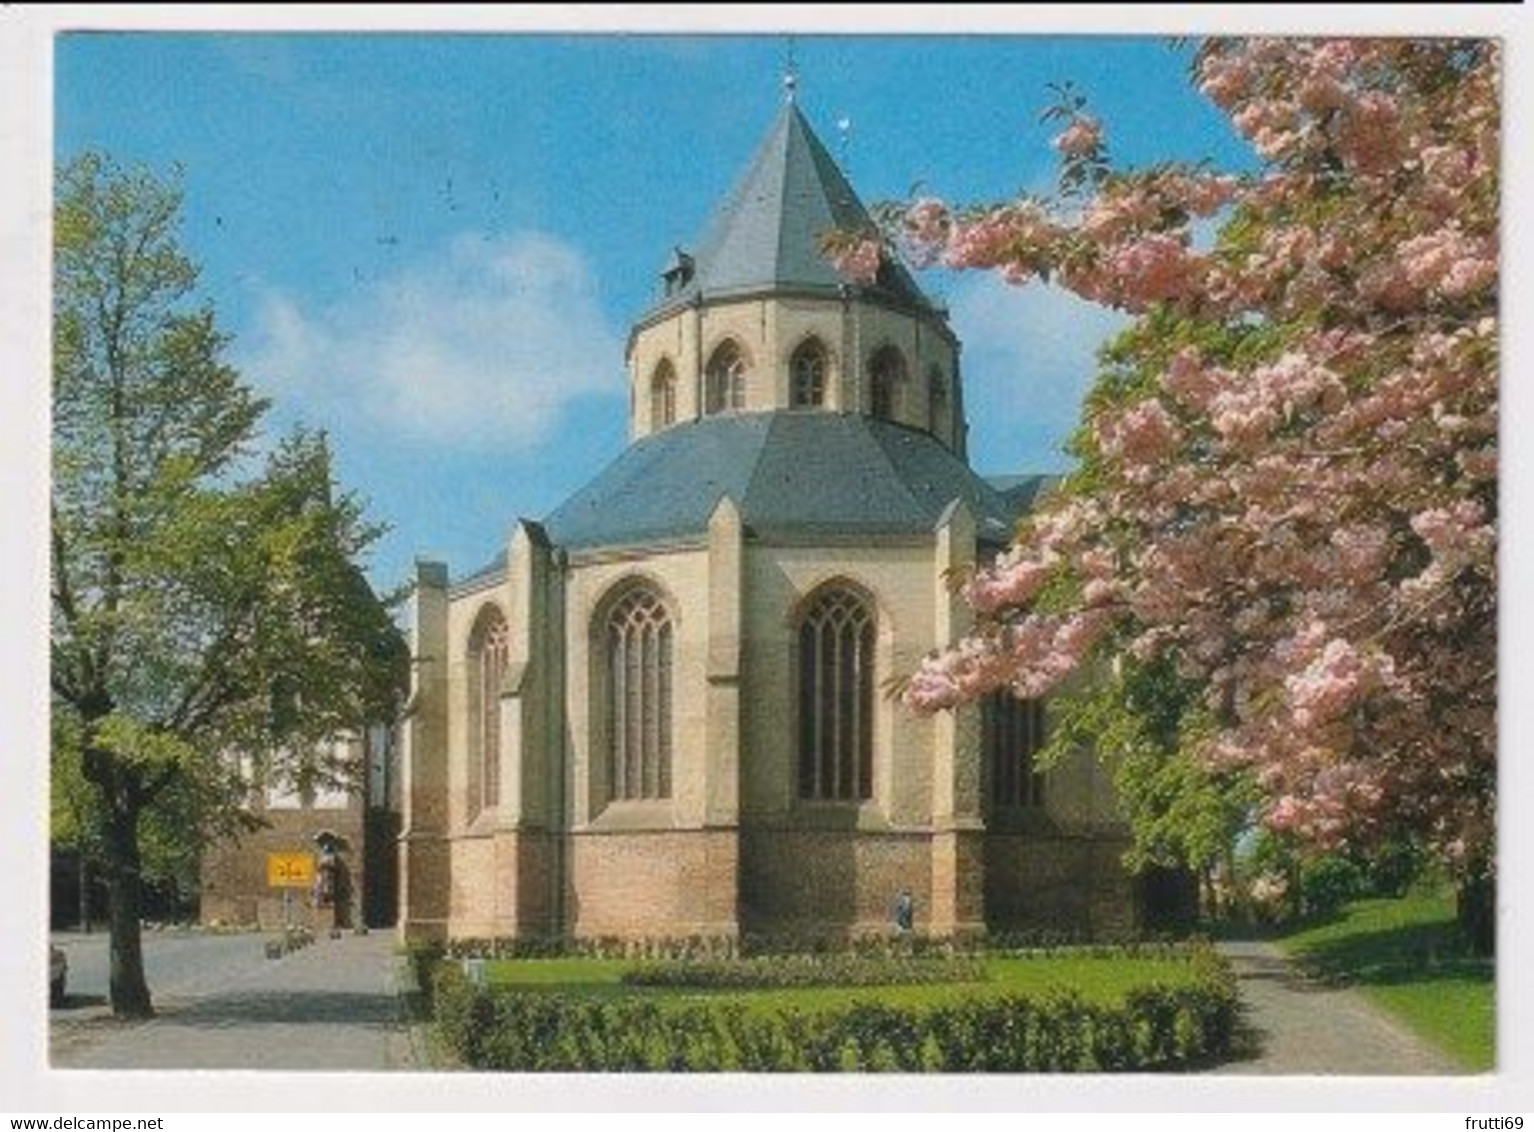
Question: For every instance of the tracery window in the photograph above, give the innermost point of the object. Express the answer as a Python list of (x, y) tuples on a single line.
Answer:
[(886, 375), (638, 647), (663, 396), (725, 380), (807, 373), (488, 663), (1011, 734), (836, 697)]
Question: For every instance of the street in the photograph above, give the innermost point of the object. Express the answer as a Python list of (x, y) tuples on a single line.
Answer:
[(221, 1004)]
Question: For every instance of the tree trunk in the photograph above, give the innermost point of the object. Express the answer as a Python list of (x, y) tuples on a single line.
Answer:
[(85, 893), (128, 989), (1476, 909)]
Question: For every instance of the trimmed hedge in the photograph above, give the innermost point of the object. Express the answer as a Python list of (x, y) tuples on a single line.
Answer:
[(847, 970), (696, 948), (1156, 1026)]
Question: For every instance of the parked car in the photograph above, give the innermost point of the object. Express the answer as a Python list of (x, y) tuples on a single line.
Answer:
[(58, 972)]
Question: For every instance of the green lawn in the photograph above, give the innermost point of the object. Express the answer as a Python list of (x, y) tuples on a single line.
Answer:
[(1407, 956), (1102, 980)]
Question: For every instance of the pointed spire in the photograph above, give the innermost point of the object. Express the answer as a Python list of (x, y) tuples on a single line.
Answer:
[(767, 232)]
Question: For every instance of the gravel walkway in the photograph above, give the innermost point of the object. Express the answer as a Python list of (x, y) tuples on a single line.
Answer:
[(1301, 1026)]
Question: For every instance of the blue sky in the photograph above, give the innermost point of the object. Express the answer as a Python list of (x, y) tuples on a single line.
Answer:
[(432, 245)]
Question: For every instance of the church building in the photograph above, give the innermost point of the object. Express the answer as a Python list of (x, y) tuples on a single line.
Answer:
[(662, 711)]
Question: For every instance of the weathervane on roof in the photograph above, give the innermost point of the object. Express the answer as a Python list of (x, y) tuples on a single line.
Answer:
[(790, 75)]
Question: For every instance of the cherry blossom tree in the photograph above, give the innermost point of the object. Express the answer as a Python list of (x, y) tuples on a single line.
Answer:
[(1287, 477)]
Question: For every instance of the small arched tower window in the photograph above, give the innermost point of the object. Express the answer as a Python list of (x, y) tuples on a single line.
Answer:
[(663, 396), (725, 380), (489, 648), (886, 376), (637, 653), (807, 374), (836, 697), (1011, 734), (937, 401)]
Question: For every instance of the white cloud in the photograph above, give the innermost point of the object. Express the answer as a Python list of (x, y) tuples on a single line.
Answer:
[(483, 343), (1029, 358)]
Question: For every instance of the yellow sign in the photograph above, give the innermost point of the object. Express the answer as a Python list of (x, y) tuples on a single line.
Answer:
[(290, 870)]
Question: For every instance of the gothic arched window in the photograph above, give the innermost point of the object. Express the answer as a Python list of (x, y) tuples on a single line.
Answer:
[(637, 653), (1011, 734), (663, 396), (937, 400), (836, 697), (886, 375), (488, 651), (725, 380), (807, 375)]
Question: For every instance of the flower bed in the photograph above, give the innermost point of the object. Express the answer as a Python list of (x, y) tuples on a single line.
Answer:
[(848, 970)]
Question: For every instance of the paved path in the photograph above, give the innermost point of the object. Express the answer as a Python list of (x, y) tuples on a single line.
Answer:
[(1302, 1026), (332, 1005)]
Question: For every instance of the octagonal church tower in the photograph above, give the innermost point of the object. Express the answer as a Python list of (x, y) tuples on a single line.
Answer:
[(661, 711)]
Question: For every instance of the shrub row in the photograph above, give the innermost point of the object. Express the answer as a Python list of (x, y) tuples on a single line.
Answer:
[(849, 969), (698, 947), (1156, 1026)]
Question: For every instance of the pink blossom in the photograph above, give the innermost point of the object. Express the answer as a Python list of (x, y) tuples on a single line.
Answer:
[(1190, 381), (859, 261), (1083, 136), (1369, 136), (1151, 269), (926, 227), (1225, 79), (1010, 581), (1244, 419), (1143, 434), (1297, 510), (1204, 196), (1113, 215)]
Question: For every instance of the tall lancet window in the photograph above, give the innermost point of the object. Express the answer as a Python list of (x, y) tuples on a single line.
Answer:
[(638, 693), (836, 697), (937, 401), (725, 380), (1011, 734), (663, 396), (489, 648), (886, 376), (807, 373)]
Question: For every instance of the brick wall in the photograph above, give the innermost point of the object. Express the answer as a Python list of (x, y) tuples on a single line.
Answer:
[(234, 888), (653, 883), (831, 880), (1056, 882)]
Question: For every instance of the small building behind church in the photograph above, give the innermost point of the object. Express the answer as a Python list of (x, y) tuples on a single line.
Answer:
[(662, 710), (344, 821)]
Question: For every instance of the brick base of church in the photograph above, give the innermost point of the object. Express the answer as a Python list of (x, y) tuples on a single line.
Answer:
[(763, 881)]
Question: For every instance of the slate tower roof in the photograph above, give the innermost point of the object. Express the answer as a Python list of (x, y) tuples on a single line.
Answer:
[(766, 235)]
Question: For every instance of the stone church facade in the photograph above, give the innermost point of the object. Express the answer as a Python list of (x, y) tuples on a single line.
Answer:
[(662, 710)]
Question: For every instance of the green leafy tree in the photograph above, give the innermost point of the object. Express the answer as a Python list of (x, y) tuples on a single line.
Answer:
[(204, 601)]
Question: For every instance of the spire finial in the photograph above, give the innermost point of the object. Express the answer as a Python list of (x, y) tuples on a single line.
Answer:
[(790, 75)]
